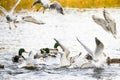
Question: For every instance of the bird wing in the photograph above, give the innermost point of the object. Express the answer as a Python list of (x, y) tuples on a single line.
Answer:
[(112, 26), (3, 10), (31, 19), (72, 59), (111, 23), (56, 5), (85, 47), (53, 5), (101, 22), (13, 8), (99, 47), (106, 16), (63, 48), (36, 2)]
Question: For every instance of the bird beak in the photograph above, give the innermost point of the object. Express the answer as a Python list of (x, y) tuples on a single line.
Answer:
[(26, 52)]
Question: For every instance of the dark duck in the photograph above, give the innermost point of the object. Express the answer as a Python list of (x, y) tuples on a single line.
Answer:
[(19, 57)]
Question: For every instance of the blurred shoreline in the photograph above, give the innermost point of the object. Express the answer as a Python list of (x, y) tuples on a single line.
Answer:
[(65, 3)]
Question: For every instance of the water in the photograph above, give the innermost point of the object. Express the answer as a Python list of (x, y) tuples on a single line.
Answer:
[(64, 28)]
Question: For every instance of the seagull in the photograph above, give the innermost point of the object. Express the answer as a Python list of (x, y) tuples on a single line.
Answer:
[(50, 5), (10, 17), (107, 23), (30, 62), (65, 60), (98, 56)]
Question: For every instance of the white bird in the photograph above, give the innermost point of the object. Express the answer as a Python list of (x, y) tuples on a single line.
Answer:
[(65, 60), (107, 23), (29, 62), (50, 5), (98, 57), (10, 17)]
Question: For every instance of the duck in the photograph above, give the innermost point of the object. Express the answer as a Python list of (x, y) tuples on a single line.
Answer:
[(10, 17), (108, 24), (49, 51), (65, 60), (48, 56), (97, 58), (49, 5), (19, 57)]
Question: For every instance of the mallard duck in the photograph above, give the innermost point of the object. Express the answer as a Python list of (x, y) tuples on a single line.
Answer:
[(98, 57), (47, 5), (10, 17), (49, 51), (19, 57), (107, 23)]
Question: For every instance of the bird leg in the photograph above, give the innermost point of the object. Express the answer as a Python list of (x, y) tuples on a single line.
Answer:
[(9, 25), (15, 24), (44, 9), (38, 9)]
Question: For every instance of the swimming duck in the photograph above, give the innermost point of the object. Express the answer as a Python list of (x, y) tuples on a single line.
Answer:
[(19, 57), (49, 51), (47, 5), (107, 23), (98, 57), (10, 17), (65, 60)]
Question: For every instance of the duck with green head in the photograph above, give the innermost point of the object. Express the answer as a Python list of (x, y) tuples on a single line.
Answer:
[(19, 57), (50, 52)]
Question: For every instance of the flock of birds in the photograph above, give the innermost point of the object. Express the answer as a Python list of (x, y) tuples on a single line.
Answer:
[(42, 56), (93, 59), (12, 18)]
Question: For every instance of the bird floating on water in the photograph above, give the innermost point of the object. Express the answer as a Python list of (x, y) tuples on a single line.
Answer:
[(20, 56), (50, 5), (107, 23), (10, 17)]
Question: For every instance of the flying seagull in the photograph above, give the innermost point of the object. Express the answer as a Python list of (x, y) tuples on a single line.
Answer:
[(107, 23), (10, 17), (98, 56), (50, 5)]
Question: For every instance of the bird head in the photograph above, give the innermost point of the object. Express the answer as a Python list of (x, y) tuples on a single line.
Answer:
[(21, 50)]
